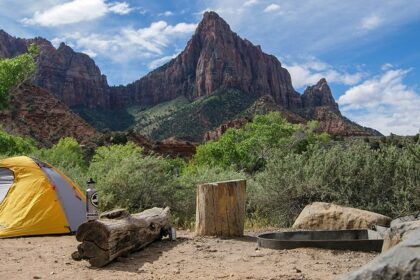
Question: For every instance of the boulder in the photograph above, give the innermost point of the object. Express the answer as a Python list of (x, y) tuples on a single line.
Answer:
[(400, 262), (400, 229), (328, 216)]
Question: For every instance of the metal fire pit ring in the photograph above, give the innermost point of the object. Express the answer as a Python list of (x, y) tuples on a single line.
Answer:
[(354, 240)]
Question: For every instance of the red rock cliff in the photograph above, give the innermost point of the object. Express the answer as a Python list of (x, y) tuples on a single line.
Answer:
[(215, 57)]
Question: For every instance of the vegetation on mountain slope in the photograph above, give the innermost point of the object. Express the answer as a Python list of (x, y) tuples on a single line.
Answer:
[(14, 71), (106, 119), (199, 116)]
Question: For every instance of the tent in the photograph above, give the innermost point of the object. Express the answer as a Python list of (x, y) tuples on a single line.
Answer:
[(37, 199)]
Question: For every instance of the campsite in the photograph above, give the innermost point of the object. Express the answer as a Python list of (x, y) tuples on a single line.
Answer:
[(214, 139)]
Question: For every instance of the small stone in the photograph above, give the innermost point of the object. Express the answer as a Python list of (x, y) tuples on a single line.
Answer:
[(36, 277), (52, 273), (298, 270)]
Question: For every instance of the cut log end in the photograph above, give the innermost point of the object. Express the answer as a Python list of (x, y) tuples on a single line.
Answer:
[(221, 208)]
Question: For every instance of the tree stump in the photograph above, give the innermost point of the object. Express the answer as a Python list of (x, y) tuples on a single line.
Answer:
[(221, 208), (117, 233)]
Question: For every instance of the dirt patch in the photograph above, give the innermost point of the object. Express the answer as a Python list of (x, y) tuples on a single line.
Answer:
[(186, 258)]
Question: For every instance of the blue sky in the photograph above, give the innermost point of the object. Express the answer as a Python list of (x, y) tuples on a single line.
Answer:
[(368, 50)]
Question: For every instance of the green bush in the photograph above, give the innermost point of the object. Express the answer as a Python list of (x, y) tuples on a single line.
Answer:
[(127, 178), (137, 183), (11, 145), (384, 180), (248, 148)]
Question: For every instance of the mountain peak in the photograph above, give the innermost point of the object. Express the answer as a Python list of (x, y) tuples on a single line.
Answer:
[(212, 22), (319, 95), (211, 16)]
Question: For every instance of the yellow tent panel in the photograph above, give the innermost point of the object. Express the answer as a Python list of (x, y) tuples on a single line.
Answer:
[(36, 199)]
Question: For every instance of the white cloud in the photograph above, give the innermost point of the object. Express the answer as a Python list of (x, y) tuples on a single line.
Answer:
[(121, 8), (306, 26), (312, 70), (129, 43), (160, 61), (156, 36), (250, 3), (384, 103), (272, 8), (76, 11), (386, 66), (371, 22), (167, 14), (90, 53)]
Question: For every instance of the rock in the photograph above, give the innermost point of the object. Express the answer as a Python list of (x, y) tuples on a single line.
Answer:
[(214, 57), (36, 113), (404, 219), (75, 256), (71, 76), (219, 131), (398, 232), (319, 95), (328, 216), (400, 262)]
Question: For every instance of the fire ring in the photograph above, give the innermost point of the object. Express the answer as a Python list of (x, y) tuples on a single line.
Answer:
[(354, 240)]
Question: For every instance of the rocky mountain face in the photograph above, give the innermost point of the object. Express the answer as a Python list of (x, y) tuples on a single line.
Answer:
[(215, 60), (36, 113), (72, 77), (319, 95)]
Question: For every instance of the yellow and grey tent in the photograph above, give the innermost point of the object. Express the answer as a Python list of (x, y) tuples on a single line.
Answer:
[(37, 199)]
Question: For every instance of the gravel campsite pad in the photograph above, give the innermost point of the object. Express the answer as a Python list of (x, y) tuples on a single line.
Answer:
[(187, 258)]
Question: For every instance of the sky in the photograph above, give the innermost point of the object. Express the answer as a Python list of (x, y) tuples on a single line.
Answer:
[(368, 50)]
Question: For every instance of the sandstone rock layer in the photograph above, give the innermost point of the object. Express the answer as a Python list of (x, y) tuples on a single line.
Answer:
[(328, 216)]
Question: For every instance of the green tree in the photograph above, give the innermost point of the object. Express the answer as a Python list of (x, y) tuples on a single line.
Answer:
[(14, 71), (248, 148), (14, 145)]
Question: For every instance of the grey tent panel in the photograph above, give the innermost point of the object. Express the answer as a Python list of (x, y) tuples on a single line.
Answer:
[(6, 181), (73, 205)]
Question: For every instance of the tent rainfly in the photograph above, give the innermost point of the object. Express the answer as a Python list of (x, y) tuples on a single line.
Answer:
[(37, 199)]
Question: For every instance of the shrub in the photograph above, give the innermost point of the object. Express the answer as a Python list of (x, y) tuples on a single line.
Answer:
[(248, 148), (11, 145), (137, 183), (385, 181)]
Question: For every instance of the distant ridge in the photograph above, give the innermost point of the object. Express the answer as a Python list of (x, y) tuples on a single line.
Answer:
[(214, 60)]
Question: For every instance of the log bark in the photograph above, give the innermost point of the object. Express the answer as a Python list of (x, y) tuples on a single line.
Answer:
[(221, 209), (117, 233)]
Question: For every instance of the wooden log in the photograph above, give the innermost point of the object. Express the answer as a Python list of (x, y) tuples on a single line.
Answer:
[(117, 233), (221, 209)]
